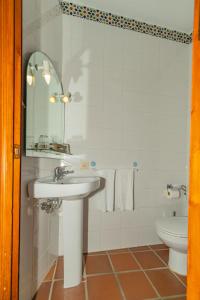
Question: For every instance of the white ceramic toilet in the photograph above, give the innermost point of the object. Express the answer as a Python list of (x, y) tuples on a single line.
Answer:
[(173, 232)]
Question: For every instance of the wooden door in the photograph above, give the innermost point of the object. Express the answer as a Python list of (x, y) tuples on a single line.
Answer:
[(10, 122), (193, 292), (10, 102)]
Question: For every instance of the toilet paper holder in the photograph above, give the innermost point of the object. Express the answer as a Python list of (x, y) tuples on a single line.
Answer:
[(181, 187)]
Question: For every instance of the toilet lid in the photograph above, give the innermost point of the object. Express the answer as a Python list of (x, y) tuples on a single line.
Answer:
[(177, 226)]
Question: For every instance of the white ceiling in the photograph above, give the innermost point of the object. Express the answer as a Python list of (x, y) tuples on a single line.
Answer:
[(174, 14)]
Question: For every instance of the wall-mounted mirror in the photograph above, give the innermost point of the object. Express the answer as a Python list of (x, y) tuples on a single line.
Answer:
[(45, 109)]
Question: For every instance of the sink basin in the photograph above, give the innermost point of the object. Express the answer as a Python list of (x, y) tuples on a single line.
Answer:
[(68, 188)]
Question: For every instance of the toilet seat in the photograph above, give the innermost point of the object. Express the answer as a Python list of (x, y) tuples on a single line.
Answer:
[(174, 226)]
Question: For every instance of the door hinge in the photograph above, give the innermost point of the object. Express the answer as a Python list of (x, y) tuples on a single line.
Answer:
[(17, 151)]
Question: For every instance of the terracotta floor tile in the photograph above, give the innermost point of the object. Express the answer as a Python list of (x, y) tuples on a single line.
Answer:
[(136, 286), (164, 254), (148, 260), (159, 247), (97, 264), (140, 248), (179, 298), (119, 250), (103, 288), (43, 292), (60, 268), (166, 283), (124, 262), (75, 293), (50, 274), (183, 278)]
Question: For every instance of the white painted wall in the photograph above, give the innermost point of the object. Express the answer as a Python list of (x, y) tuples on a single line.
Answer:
[(130, 103), (39, 231)]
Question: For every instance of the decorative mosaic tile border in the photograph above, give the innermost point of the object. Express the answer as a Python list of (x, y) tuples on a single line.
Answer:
[(124, 23)]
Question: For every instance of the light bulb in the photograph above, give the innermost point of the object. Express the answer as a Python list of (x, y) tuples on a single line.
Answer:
[(65, 99), (52, 99), (29, 75), (30, 79), (47, 78), (46, 72)]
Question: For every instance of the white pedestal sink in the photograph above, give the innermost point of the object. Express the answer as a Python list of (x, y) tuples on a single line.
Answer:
[(72, 190)]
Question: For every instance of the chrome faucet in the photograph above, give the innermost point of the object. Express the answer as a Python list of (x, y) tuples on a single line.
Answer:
[(60, 172)]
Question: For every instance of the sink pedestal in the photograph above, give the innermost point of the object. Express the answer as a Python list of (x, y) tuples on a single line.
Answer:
[(73, 191), (73, 241)]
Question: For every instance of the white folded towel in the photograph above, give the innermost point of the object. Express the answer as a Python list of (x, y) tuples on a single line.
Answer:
[(124, 189), (104, 198)]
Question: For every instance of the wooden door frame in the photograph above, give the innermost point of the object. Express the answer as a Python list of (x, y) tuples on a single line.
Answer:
[(10, 127), (10, 131), (193, 290)]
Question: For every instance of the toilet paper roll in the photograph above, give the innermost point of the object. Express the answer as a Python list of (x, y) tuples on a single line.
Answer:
[(172, 194)]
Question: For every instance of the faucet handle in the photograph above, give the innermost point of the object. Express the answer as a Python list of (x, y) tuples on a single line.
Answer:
[(69, 172), (58, 171), (66, 168)]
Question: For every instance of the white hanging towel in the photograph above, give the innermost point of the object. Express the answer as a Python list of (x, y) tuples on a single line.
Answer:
[(104, 198), (124, 189)]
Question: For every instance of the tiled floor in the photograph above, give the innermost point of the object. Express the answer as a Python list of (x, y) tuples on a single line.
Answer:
[(127, 274)]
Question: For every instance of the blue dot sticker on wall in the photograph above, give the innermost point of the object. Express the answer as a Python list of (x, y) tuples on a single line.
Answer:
[(93, 164)]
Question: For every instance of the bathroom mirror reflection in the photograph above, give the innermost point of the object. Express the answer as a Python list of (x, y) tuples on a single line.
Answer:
[(45, 109)]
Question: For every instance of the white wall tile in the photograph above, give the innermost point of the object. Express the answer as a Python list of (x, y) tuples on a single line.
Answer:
[(94, 220), (92, 241), (130, 237), (148, 236), (109, 239), (136, 90), (111, 220)]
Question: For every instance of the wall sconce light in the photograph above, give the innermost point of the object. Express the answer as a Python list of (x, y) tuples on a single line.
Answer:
[(46, 72), (45, 68), (30, 76), (63, 98), (52, 99), (66, 98)]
